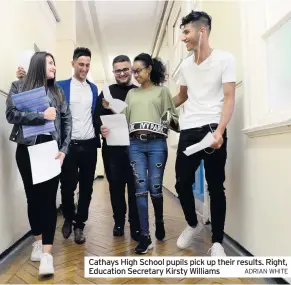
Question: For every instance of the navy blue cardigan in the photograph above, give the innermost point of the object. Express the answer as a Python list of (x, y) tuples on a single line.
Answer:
[(66, 86)]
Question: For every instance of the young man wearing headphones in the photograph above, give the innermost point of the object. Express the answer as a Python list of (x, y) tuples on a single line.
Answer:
[(207, 92)]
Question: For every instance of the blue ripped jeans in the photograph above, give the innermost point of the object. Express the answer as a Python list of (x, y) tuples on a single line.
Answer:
[(148, 159)]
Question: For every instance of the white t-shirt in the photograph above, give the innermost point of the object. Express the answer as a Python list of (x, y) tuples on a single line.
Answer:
[(81, 106), (205, 88)]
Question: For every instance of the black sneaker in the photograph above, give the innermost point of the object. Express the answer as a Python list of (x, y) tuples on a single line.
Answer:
[(79, 236), (67, 229), (145, 243), (118, 231), (160, 230)]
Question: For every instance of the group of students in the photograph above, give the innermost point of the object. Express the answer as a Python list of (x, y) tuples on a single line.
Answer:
[(207, 89)]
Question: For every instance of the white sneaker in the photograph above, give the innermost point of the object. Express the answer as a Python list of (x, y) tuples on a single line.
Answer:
[(36, 251), (187, 236), (46, 265), (217, 250)]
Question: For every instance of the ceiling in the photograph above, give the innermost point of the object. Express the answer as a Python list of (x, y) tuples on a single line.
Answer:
[(110, 28)]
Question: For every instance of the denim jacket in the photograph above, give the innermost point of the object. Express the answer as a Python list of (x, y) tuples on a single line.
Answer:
[(63, 121)]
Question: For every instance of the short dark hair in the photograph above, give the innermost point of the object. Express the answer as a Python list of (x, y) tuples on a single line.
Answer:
[(199, 17), (120, 58), (81, 51)]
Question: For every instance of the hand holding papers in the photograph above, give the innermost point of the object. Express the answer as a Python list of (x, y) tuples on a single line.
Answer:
[(44, 165), (118, 129), (207, 141), (34, 100), (115, 104)]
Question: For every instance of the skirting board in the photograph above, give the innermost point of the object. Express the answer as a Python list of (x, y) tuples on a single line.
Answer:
[(26, 239), (19, 245)]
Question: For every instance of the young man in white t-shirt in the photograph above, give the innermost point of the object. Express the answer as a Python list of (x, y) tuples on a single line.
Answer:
[(207, 90)]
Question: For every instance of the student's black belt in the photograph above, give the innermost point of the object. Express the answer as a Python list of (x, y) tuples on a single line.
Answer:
[(145, 137), (84, 142), (207, 127)]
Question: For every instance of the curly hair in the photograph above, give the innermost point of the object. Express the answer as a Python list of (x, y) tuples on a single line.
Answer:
[(158, 73)]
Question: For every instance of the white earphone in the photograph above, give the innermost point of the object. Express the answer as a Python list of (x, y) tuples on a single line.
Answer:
[(199, 43)]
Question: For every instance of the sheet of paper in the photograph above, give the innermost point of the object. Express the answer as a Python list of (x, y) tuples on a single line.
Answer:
[(115, 104), (207, 141), (44, 165), (24, 59), (106, 92), (118, 129)]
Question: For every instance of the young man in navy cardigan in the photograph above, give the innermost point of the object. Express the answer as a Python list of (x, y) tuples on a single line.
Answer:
[(80, 163)]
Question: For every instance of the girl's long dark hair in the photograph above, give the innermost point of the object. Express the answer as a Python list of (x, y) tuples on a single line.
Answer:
[(158, 73), (36, 75)]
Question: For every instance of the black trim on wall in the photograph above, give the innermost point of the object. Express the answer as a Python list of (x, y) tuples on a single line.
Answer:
[(19, 244), (243, 252), (14, 247)]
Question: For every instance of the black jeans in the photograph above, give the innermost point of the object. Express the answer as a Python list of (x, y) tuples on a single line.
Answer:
[(119, 173), (214, 164), (41, 198), (79, 166)]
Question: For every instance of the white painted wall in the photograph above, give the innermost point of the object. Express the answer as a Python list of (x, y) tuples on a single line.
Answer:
[(13, 214), (226, 28), (37, 25), (22, 30), (258, 187)]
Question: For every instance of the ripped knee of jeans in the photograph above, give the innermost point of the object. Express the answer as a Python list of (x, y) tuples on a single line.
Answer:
[(140, 181), (133, 164), (156, 195), (141, 194), (157, 187), (159, 165)]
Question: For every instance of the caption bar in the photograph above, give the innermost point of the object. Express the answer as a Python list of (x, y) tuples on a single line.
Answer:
[(187, 267)]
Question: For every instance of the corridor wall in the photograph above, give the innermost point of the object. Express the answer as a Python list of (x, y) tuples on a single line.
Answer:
[(257, 185), (24, 23), (13, 215)]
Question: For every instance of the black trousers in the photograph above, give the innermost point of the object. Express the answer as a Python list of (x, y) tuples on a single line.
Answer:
[(79, 167), (119, 173), (41, 198), (214, 164)]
